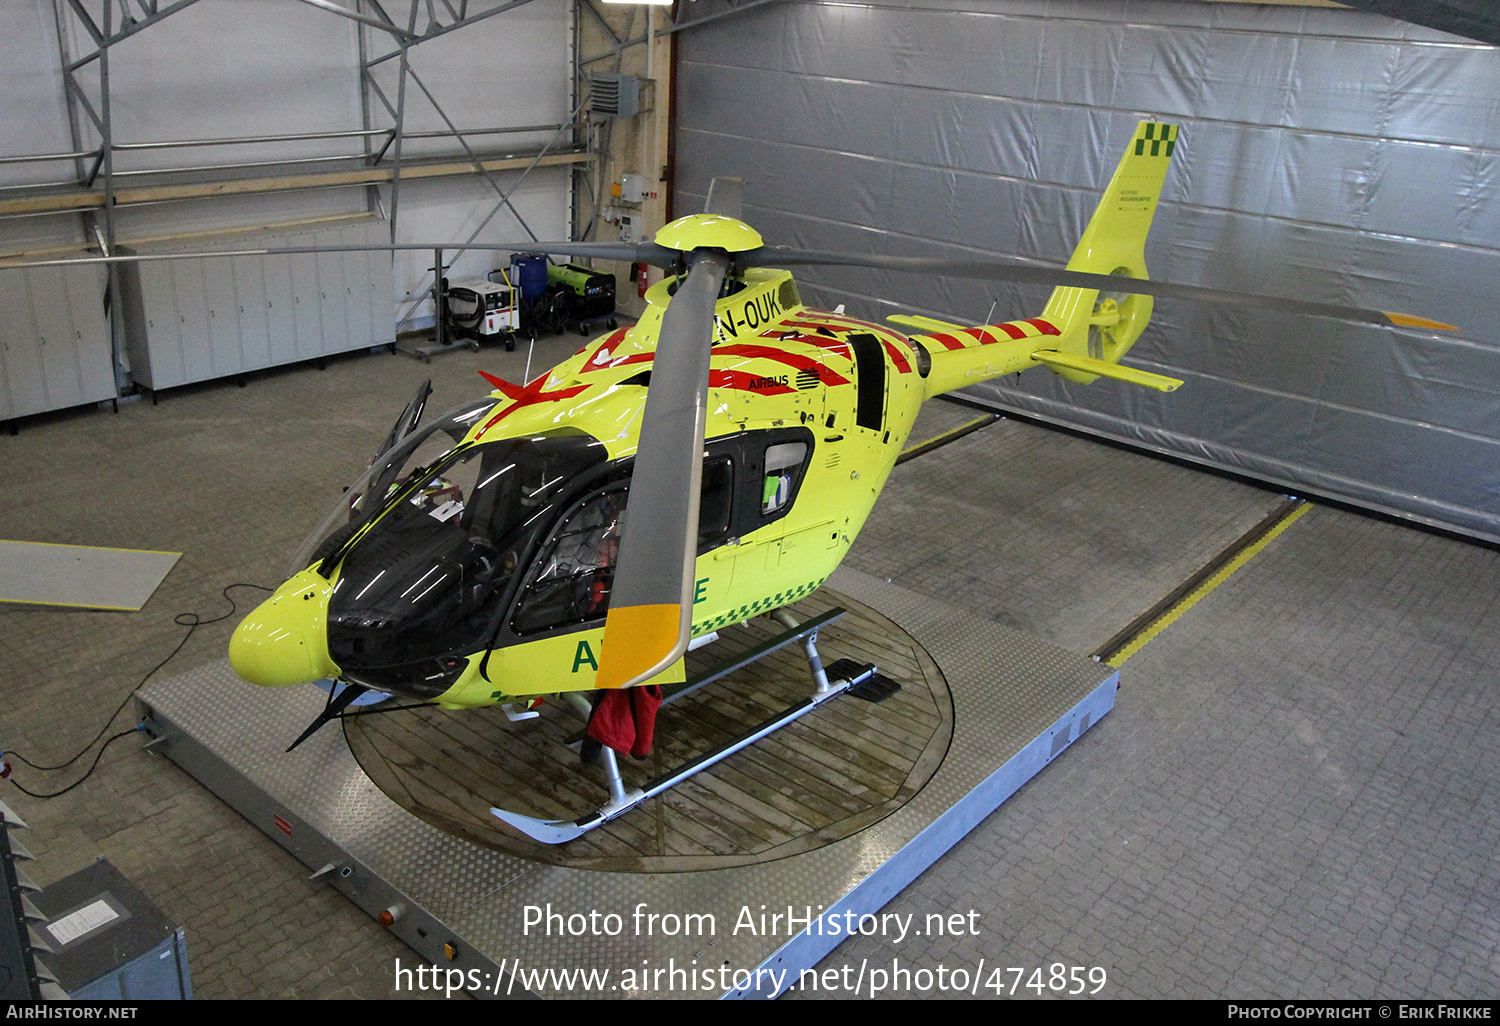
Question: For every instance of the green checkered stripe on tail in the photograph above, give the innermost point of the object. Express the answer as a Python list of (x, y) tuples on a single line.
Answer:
[(766, 604), (1156, 140)]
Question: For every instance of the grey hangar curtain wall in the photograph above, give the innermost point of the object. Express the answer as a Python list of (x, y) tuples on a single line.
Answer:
[(1325, 153)]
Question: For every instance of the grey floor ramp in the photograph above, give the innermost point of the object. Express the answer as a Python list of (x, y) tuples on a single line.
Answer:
[(81, 575)]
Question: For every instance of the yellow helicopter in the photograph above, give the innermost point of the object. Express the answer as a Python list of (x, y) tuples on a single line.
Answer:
[(713, 462)]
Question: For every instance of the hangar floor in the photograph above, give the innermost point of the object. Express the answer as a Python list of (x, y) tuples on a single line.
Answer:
[(1297, 794)]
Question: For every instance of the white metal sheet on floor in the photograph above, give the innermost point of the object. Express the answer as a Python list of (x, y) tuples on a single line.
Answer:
[(81, 575), (1019, 703)]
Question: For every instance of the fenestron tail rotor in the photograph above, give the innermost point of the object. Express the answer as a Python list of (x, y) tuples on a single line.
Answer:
[(650, 609)]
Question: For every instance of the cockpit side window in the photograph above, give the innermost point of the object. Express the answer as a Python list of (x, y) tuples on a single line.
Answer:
[(576, 572), (574, 576)]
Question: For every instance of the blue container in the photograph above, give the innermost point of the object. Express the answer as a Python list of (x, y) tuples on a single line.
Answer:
[(528, 272)]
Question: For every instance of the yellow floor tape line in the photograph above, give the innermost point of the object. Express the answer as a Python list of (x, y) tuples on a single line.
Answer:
[(1193, 597)]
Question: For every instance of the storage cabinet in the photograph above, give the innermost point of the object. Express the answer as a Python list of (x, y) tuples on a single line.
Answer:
[(54, 339), (210, 317)]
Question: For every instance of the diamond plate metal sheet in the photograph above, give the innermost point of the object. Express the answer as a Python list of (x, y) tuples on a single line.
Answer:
[(1018, 702)]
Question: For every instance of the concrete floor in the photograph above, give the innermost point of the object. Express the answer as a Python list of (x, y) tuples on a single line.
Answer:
[(1296, 795)]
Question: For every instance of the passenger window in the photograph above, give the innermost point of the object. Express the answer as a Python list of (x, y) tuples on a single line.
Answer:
[(783, 464)]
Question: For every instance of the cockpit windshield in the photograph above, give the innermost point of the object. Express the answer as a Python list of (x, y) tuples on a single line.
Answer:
[(431, 574), (363, 500)]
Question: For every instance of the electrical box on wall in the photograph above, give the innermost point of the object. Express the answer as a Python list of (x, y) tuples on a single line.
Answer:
[(633, 187), (628, 228)]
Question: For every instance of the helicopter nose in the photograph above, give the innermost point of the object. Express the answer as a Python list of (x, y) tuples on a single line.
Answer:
[(285, 639)]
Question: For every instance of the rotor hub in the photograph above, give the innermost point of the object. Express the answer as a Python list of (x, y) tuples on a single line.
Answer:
[(708, 231)]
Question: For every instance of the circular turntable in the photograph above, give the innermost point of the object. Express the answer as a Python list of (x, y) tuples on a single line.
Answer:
[(843, 767)]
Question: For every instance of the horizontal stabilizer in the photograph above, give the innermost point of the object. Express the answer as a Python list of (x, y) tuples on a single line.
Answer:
[(1084, 365), (925, 323)]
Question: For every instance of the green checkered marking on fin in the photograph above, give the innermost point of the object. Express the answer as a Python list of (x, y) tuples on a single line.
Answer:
[(1154, 134)]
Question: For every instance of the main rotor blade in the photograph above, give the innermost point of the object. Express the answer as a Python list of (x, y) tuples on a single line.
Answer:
[(724, 197), (650, 608), (643, 252), (996, 270)]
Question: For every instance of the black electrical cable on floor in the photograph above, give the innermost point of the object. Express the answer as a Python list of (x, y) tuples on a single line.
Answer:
[(54, 794), (192, 621)]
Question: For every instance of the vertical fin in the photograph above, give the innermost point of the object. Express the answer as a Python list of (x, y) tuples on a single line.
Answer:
[(1103, 326)]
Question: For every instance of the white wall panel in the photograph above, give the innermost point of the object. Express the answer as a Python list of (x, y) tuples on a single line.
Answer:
[(254, 317), (25, 391), (512, 70), (306, 304), (333, 299), (188, 286), (281, 310), (246, 67), (229, 68), (35, 116), (223, 317), (203, 317)]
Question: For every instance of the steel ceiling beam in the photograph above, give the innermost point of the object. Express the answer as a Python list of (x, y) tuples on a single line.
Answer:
[(681, 21), (152, 12), (384, 26), (436, 28)]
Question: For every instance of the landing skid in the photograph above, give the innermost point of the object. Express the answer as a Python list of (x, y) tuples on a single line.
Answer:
[(847, 676)]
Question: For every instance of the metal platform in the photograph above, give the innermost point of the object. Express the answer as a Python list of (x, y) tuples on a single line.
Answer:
[(1018, 703)]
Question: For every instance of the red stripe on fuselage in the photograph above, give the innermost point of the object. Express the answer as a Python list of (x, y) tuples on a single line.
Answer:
[(1045, 327), (845, 323), (504, 387), (896, 358), (817, 326), (1010, 330), (823, 342), (793, 360), (949, 342), (593, 363)]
